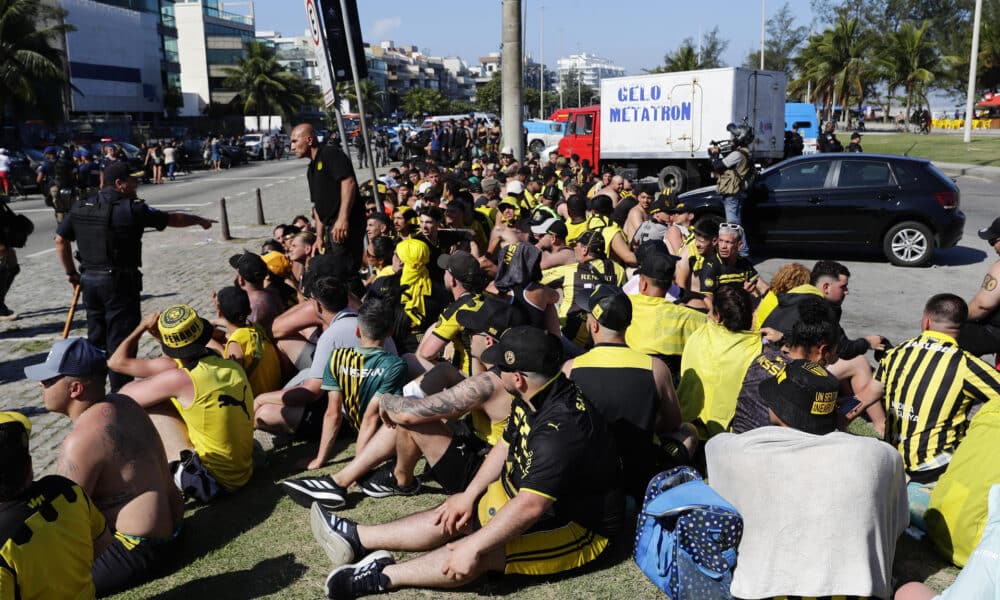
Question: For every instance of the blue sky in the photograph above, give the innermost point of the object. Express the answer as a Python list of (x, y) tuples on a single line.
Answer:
[(635, 34)]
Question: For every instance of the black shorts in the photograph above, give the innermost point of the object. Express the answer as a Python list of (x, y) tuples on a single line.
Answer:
[(129, 561), (458, 465), (311, 425)]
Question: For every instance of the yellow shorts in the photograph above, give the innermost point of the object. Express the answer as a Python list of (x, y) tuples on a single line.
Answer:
[(542, 552)]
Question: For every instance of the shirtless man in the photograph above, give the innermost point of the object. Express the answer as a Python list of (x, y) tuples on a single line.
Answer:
[(638, 214), (980, 334), (114, 454)]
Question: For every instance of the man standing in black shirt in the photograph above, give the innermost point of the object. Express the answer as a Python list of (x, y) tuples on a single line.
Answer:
[(107, 229), (338, 215)]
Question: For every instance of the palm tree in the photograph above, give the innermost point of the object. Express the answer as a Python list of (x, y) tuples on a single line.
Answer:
[(910, 60), (30, 68), (373, 97), (262, 85), (835, 61)]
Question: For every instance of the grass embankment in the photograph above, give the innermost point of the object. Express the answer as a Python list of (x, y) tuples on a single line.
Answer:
[(983, 150), (257, 544)]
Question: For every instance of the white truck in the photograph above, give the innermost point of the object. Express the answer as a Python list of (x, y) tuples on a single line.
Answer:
[(662, 124)]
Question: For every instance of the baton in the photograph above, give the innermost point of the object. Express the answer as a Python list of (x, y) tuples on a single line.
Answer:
[(72, 311)]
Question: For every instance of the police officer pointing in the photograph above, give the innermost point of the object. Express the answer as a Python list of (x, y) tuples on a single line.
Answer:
[(107, 229)]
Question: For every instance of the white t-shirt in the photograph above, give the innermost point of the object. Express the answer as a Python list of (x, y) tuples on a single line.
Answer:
[(4, 163), (169, 154)]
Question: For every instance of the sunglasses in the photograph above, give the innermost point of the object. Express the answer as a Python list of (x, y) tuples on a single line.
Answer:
[(731, 228)]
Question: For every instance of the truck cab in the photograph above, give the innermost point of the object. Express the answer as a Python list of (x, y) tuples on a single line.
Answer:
[(583, 127)]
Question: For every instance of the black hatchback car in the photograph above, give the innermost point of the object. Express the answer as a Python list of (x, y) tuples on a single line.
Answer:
[(902, 206)]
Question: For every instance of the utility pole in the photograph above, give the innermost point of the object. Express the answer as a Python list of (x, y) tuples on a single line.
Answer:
[(511, 80), (541, 61), (361, 102), (763, 26), (971, 93)]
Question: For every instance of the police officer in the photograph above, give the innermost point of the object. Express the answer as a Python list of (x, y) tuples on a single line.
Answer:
[(828, 141), (107, 229), (733, 172), (63, 183)]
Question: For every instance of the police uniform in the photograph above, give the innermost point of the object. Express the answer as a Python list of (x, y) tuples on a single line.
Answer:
[(560, 450), (107, 229)]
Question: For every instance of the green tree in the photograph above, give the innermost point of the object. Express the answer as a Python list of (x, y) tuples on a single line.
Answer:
[(488, 96), (690, 57), (373, 97), (783, 40), (31, 69), (910, 60), (575, 93), (835, 63), (419, 101), (263, 86)]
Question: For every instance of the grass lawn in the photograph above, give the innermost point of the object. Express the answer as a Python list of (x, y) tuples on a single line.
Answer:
[(983, 150), (257, 544)]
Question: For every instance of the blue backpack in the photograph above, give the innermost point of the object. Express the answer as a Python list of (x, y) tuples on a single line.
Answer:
[(686, 537)]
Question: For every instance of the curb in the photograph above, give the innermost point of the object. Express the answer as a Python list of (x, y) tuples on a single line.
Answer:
[(958, 170)]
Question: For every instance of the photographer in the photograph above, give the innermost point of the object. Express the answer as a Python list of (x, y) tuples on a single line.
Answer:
[(733, 170)]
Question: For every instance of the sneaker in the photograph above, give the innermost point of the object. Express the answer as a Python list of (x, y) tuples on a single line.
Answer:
[(324, 490), (360, 579), (382, 483), (338, 536)]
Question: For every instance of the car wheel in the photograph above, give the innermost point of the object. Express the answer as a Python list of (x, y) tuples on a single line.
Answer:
[(672, 178), (908, 244), (536, 146)]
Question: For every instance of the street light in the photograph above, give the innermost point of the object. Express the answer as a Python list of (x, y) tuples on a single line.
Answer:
[(970, 94)]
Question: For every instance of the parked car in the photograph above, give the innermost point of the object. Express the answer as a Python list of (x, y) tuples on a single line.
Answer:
[(253, 145), (904, 207)]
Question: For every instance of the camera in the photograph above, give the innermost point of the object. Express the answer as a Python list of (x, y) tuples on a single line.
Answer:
[(725, 146)]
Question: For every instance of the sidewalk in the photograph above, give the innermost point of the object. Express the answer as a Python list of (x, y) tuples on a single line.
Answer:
[(179, 266), (958, 169)]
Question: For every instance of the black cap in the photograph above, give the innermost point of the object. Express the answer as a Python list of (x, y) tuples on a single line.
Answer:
[(680, 207), (655, 261), (593, 240), (493, 317), (855, 136), (992, 232), (250, 266), (803, 395), (115, 171), (609, 305), (526, 348), (659, 205), (462, 265)]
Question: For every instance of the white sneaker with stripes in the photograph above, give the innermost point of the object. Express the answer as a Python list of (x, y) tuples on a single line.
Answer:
[(323, 490)]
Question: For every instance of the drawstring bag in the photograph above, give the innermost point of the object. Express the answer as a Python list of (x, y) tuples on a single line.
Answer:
[(686, 537)]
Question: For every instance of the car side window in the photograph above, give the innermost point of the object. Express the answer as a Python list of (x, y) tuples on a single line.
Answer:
[(801, 175), (584, 124), (864, 173)]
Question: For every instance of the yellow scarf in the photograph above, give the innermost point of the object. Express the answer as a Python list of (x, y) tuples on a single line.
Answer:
[(414, 254)]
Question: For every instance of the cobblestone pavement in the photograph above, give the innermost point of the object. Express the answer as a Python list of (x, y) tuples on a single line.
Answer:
[(179, 265)]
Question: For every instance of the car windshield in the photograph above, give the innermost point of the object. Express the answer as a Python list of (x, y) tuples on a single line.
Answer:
[(252, 137), (34, 155), (130, 150)]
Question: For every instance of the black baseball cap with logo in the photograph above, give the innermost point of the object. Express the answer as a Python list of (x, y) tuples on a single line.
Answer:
[(609, 305), (803, 395), (462, 265), (526, 349), (992, 232)]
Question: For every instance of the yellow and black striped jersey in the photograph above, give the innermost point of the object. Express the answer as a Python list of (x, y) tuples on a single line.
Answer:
[(930, 384), (360, 373)]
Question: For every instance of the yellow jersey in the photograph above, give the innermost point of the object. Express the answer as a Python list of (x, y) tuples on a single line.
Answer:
[(220, 420), (260, 358)]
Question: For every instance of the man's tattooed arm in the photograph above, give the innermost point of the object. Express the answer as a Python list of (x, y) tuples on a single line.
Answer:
[(447, 403)]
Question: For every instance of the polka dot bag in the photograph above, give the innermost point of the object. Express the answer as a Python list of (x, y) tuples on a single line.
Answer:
[(686, 537)]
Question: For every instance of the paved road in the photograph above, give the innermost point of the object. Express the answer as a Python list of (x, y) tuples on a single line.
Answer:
[(186, 265)]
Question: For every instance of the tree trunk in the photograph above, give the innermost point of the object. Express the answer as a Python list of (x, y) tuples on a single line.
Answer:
[(909, 102)]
